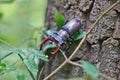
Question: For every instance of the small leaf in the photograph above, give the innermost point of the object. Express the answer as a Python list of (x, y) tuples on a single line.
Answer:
[(40, 55), (31, 65), (1, 15), (60, 20), (49, 46), (28, 58), (49, 32), (2, 67), (79, 35), (18, 51), (20, 75), (11, 67), (90, 69), (7, 68)]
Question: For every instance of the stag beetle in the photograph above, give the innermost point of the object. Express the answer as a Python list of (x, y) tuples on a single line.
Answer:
[(69, 29)]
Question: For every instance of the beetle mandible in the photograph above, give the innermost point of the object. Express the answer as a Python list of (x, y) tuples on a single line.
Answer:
[(69, 29)]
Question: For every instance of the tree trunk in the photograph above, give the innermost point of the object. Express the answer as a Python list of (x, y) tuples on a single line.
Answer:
[(102, 46)]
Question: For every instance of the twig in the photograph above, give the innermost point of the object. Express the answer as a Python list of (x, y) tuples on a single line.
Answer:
[(83, 40), (46, 78), (6, 43), (74, 63), (63, 53), (79, 45)]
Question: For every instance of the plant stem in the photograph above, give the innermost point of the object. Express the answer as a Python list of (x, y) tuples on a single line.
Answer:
[(83, 40), (5, 56), (63, 53), (74, 63), (6, 43)]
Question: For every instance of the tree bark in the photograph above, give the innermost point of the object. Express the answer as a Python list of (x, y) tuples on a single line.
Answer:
[(102, 46)]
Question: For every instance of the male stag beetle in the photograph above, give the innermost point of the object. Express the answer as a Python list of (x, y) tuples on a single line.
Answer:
[(69, 29)]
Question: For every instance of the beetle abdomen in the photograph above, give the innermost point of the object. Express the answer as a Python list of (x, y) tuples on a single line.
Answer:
[(72, 26)]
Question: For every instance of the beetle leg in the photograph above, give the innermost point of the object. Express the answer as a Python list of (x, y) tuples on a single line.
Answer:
[(44, 41), (56, 51), (50, 39)]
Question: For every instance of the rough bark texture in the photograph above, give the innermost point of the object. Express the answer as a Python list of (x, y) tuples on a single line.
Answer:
[(102, 46)]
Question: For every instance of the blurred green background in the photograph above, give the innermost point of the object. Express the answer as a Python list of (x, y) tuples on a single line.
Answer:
[(21, 23)]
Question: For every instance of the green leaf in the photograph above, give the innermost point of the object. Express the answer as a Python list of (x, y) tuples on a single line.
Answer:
[(60, 20), (7, 68), (49, 32), (1, 15), (79, 35), (40, 55), (90, 69), (28, 59), (31, 65), (28, 55), (19, 75), (49, 46), (11, 67), (2, 67), (18, 51)]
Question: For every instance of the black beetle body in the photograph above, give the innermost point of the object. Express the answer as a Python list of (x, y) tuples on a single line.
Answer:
[(68, 30)]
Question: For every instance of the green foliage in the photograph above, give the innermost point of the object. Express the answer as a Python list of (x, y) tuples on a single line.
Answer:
[(40, 55), (19, 75), (48, 32), (1, 15), (28, 55), (25, 53), (6, 1), (60, 20), (2, 67), (31, 65), (29, 59), (79, 35), (18, 22), (90, 69), (49, 46)]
